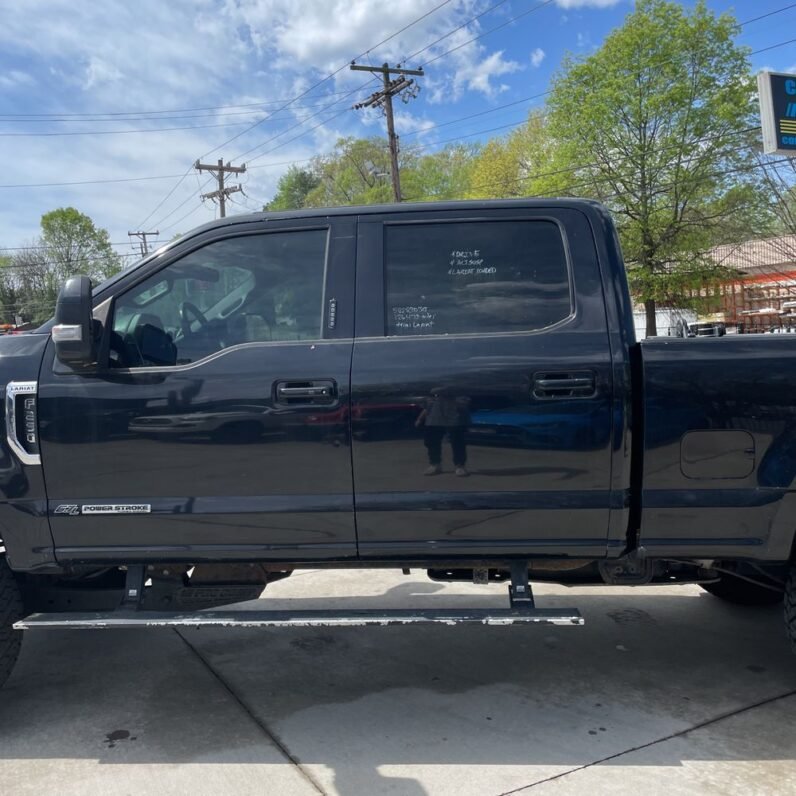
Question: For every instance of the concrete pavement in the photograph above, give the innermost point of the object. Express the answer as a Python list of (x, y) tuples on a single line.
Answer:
[(664, 690)]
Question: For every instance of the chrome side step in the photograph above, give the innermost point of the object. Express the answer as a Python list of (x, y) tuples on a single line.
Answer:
[(325, 618)]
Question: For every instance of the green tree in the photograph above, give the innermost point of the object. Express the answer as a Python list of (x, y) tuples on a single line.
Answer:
[(293, 188), (356, 172), (8, 291), (76, 246), (654, 124), (445, 174), (509, 166), (69, 244), (496, 171)]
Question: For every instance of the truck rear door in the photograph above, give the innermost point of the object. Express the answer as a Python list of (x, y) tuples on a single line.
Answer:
[(481, 385), (216, 425)]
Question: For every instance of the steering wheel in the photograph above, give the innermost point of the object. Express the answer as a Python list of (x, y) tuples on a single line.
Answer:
[(187, 309)]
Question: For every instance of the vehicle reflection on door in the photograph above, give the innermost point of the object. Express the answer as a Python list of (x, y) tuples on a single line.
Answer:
[(515, 427), (448, 429), (236, 424)]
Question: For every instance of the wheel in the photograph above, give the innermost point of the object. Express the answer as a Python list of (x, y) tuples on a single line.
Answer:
[(790, 607), (742, 592), (10, 611)]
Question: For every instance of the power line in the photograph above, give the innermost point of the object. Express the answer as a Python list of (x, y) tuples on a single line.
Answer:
[(114, 132), (299, 124), (491, 30), (658, 187), (182, 204), (182, 218), (477, 132), (549, 91), (44, 248), (50, 263), (295, 99), (474, 115), (289, 162), (171, 110), (237, 157), (133, 179), (20, 118), (52, 133), (769, 14), (436, 41), (343, 94), (542, 94), (332, 74), (455, 30), (565, 170), (87, 182), (773, 47), (160, 204), (571, 169)]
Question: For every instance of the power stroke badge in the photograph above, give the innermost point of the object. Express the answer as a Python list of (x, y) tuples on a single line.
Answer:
[(73, 510)]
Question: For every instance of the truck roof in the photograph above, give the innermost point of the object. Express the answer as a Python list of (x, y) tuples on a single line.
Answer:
[(404, 207)]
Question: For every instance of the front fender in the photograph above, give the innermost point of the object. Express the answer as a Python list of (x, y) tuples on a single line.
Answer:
[(24, 527)]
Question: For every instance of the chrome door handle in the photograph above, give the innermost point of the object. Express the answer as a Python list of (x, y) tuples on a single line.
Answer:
[(578, 384), (316, 392)]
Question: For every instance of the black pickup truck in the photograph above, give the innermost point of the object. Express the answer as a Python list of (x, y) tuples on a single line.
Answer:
[(454, 387)]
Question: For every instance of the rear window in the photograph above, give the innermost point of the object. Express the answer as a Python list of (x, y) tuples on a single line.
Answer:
[(474, 277)]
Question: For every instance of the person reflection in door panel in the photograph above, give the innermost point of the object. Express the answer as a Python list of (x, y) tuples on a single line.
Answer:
[(445, 413)]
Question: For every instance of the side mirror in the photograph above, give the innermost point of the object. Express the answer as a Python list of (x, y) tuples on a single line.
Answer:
[(73, 333)]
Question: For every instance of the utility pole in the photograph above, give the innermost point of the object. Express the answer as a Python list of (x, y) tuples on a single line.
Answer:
[(142, 245), (383, 99), (218, 171)]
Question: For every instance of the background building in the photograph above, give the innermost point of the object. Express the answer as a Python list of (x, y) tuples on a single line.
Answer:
[(763, 297), (760, 298)]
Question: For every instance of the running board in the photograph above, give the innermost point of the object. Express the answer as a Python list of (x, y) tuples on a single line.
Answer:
[(271, 618)]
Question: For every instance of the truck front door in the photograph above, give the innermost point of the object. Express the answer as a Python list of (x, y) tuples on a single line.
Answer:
[(481, 386), (216, 424)]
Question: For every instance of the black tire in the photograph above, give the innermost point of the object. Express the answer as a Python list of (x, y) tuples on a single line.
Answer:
[(742, 592), (11, 610), (790, 608)]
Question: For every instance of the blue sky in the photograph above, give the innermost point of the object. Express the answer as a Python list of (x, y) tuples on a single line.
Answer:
[(226, 69)]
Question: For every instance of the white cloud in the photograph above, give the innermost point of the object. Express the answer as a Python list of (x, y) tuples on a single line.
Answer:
[(537, 56), (100, 71), (15, 78), (324, 35), (479, 75), (100, 57), (406, 122)]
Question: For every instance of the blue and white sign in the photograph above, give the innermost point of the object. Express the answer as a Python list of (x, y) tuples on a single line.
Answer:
[(777, 92)]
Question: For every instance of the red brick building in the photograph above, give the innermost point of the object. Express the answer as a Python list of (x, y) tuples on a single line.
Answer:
[(763, 297)]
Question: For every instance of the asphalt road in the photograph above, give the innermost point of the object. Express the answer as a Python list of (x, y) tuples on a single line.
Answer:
[(664, 690)]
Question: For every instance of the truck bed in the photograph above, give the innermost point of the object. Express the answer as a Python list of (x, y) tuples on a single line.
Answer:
[(719, 446)]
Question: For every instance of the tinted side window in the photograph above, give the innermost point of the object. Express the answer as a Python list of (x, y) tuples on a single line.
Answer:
[(481, 276), (247, 289)]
